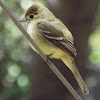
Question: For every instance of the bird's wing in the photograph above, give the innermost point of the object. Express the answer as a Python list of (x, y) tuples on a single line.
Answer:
[(56, 37)]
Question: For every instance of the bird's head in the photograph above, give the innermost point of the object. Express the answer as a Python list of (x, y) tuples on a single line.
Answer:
[(36, 11)]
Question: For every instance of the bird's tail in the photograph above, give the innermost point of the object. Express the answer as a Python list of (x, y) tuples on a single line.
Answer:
[(69, 62)]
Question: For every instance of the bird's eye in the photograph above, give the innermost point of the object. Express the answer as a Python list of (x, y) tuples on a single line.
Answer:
[(31, 16)]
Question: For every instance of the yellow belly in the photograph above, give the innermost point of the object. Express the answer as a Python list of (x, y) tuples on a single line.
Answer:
[(48, 48)]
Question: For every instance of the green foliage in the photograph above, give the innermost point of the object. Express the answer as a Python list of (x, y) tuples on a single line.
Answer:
[(94, 57), (94, 39), (15, 55), (94, 42)]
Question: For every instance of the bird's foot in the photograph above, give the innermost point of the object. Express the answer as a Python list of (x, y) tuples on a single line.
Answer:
[(49, 60)]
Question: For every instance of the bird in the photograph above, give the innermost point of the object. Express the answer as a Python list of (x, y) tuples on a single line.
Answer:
[(53, 38)]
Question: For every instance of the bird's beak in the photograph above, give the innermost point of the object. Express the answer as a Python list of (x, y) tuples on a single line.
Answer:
[(22, 21)]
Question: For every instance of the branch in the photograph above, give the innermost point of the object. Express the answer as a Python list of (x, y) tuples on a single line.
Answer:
[(51, 65)]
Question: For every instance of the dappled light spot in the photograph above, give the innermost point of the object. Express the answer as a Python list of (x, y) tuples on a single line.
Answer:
[(94, 57), (22, 81), (14, 70)]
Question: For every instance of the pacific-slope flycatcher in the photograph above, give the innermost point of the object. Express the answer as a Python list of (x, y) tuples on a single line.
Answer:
[(53, 37)]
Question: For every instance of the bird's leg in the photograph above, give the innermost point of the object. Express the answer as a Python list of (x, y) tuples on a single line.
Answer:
[(48, 57)]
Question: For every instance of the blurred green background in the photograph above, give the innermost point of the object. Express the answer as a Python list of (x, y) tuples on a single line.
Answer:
[(16, 54)]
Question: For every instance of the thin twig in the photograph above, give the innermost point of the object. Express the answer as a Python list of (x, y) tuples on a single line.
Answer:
[(51, 65)]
